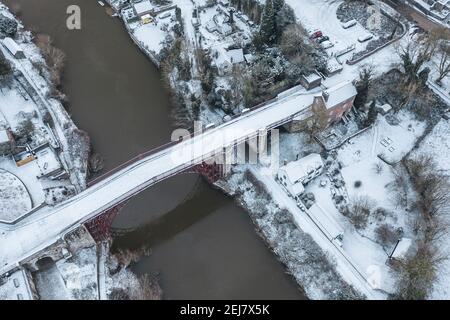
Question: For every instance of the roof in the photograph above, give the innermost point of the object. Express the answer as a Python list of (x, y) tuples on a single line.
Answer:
[(4, 136), (339, 93), (298, 188), (226, 28), (297, 170), (143, 7), (312, 77), (249, 57), (47, 161), (12, 46), (385, 107), (236, 55)]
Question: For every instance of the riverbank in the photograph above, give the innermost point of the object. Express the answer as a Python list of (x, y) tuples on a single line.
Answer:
[(57, 149), (127, 88)]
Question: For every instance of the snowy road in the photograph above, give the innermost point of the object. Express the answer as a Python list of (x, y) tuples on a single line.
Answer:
[(346, 268), (43, 228)]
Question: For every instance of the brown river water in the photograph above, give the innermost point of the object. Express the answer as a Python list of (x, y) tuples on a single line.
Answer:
[(203, 245)]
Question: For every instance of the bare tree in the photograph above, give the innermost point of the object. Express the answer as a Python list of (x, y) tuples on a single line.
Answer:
[(386, 235), (443, 63), (359, 211), (54, 57), (318, 122)]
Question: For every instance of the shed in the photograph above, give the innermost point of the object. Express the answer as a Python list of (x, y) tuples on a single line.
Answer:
[(384, 109), (311, 80), (13, 48)]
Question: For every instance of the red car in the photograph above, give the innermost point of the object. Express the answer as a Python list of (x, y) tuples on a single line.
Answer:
[(316, 34)]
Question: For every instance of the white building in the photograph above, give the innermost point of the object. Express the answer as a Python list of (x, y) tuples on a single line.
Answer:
[(48, 163), (295, 175), (13, 48), (142, 8)]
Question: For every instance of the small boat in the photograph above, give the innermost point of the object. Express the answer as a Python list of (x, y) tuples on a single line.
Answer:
[(101, 3)]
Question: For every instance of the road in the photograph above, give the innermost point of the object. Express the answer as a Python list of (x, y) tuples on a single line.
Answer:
[(421, 19), (346, 268)]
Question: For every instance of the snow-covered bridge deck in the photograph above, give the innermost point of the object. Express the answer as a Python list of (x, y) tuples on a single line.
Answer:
[(46, 226)]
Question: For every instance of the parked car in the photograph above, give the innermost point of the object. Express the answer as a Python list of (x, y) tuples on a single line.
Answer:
[(322, 39), (365, 38), (326, 44), (316, 34), (349, 24)]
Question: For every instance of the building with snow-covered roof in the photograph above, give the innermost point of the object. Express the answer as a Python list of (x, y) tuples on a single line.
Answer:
[(295, 175), (226, 29), (143, 7), (226, 59), (13, 48), (311, 80), (336, 101), (4, 138), (48, 162)]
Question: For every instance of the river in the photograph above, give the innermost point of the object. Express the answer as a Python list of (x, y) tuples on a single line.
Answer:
[(203, 245)]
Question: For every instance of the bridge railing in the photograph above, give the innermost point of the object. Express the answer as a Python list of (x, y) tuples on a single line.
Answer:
[(193, 133)]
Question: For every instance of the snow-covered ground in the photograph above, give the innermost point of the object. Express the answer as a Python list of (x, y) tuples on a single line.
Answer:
[(15, 287), (361, 261), (321, 15), (14, 197)]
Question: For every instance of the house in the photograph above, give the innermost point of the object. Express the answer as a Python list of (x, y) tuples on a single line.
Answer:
[(295, 175), (311, 81), (336, 101), (13, 48), (226, 59), (142, 8)]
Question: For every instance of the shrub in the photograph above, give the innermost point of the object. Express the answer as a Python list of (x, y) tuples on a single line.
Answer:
[(386, 235), (359, 211)]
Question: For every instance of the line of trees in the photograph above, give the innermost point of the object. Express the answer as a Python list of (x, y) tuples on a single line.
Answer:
[(418, 271)]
